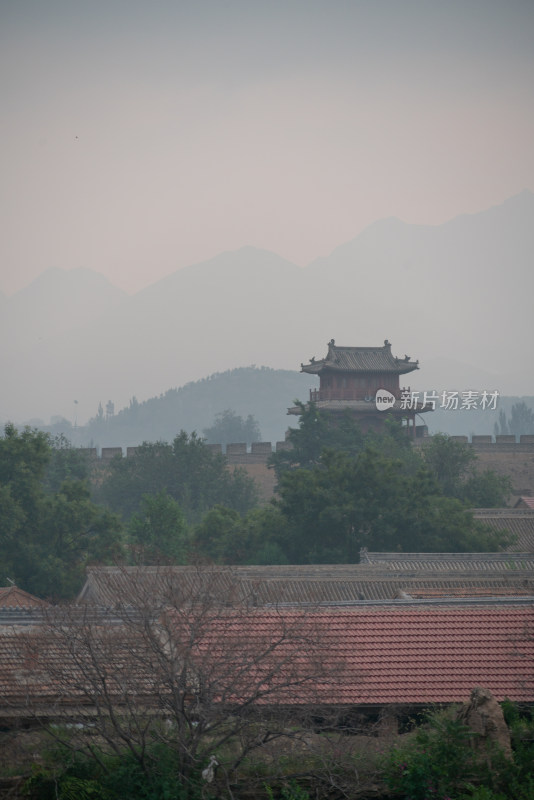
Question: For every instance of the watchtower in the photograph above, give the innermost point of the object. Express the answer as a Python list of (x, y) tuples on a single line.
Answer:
[(366, 382)]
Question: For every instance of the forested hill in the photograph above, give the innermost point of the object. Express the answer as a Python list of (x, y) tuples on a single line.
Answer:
[(261, 392)]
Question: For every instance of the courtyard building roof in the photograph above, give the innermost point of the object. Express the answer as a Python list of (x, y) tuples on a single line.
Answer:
[(360, 360)]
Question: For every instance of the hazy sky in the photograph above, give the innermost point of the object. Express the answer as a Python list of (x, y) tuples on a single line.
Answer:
[(140, 137)]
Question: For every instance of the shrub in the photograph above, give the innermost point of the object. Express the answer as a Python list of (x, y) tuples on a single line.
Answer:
[(436, 764), (79, 777)]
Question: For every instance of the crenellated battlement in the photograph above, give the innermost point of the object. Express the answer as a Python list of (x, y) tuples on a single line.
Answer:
[(502, 442), (503, 454), (262, 450), (234, 452)]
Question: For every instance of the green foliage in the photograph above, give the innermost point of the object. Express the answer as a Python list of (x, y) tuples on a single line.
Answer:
[(343, 504), (523, 790), (121, 776), (521, 724), (229, 427), (453, 465), (221, 536), (158, 778), (73, 533), (225, 537), (437, 764), (482, 793), (339, 490), (46, 785), (158, 532), (486, 489), (23, 460), (66, 463), (258, 390), (267, 531), (187, 470), (449, 461), (49, 528), (291, 791), (315, 432)]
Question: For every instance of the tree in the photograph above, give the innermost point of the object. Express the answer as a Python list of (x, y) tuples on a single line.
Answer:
[(187, 470), (158, 532), (453, 464), (486, 489), (343, 504), (449, 461), (521, 421), (226, 537), (374, 491), (188, 679), (229, 427), (49, 529), (66, 463), (316, 431), (220, 536), (74, 533)]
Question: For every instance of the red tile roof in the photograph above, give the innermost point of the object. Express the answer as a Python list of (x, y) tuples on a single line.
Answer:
[(66, 667), (344, 657), (434, 655), (408, 656), (13, 597), (525, 502)]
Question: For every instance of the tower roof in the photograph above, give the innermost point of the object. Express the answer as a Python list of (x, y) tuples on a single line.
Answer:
[(360, 359)]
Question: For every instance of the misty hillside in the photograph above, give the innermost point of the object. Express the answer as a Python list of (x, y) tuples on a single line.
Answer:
[(264, 393), (460, 292), (57, 302)]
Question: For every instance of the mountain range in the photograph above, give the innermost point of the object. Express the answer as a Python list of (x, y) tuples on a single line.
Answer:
[(456, 296)]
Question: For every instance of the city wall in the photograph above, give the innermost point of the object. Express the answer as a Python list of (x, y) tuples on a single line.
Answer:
[(507, 457), (235, 453), (239, 452), (252, 458), (503, 454)]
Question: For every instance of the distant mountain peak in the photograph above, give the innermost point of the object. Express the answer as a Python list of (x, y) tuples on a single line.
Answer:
[(77, 278), (462, 290)]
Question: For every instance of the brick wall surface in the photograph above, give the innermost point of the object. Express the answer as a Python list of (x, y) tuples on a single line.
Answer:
[(514, 461), (505, 456)]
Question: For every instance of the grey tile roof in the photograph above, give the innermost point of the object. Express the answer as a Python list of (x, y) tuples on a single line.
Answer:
[(324, 583), (518, 521), (450, 562), (361, 359), (12, 616)]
